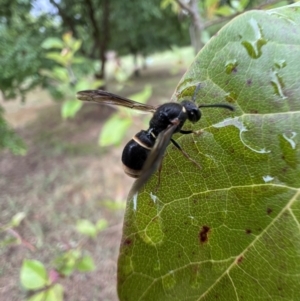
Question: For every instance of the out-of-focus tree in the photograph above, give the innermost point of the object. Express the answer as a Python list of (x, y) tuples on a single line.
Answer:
[(68, 76), (21, 56), (130, 27), (146, 28), (207, 13), (20, 59)]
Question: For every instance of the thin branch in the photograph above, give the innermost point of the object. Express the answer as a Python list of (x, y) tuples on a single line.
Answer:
[(185, 6), (227, 18), (66, 19)]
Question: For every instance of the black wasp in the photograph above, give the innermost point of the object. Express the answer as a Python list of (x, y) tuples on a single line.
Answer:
[(143, 154)]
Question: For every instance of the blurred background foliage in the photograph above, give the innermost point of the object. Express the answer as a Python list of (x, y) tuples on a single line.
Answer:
[(62, 46), (100, 30)]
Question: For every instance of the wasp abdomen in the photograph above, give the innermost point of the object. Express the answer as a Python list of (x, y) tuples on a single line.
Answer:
[(136, 152)]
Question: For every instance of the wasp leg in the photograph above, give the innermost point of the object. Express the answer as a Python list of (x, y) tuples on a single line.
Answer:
[(158, 181), (185, 154)]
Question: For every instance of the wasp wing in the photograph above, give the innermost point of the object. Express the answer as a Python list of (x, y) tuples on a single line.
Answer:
[(104, 97), (154, 159)]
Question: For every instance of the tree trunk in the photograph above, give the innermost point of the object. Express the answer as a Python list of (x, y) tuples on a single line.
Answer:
[(104, 37), (197, 26), (100, 36), (197, 23)]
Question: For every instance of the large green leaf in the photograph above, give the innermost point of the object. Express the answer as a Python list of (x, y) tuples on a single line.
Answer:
[(230, 231)]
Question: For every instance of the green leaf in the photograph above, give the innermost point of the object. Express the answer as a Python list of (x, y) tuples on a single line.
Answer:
[(86, 264), (52, 43), (57, 57), (65, 264), (9, 139), (97, 83), (54, 293), (83, 85), (101, 224), (86, 227), (224, 10), (9, 241), (142, 96), (113, 130), (60, 74), (114, 205), (76, 45), (38, 297), (17, 219), (68, 38), (209, 3), (229, 231), (33, 274), (79, 60), (70, 108)]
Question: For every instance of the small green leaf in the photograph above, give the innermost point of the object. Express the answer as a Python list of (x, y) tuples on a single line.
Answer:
[(224, 10), (67, 38), (33, 274), (209, 3), (17, 219), (79, 60), (9, 241), (86, 264), (97, 83), (113, 130), (52, 43), (101, 224), (82, 84), (86, 227), (60, 74), (66, 263), (142, 96), (70, 108), (38, 297), (54, 293), (76, 46), (55, 56), (114, 205)]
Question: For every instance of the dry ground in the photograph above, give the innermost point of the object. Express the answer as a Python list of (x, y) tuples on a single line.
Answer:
[(64, 177)]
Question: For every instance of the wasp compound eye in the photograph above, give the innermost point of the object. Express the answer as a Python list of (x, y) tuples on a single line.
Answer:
[(192, 111)]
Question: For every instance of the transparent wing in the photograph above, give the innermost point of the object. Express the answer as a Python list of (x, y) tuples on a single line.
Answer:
[(154, 159), (104, 97)]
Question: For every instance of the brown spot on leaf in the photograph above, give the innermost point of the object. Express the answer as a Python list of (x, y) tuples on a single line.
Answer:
[(269, 210), (240, 259), (203, 234), (249, 82), (248, 231), (127, 242)]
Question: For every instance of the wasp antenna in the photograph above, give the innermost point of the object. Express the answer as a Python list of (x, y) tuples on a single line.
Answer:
[(218, 105), (196, 92)]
